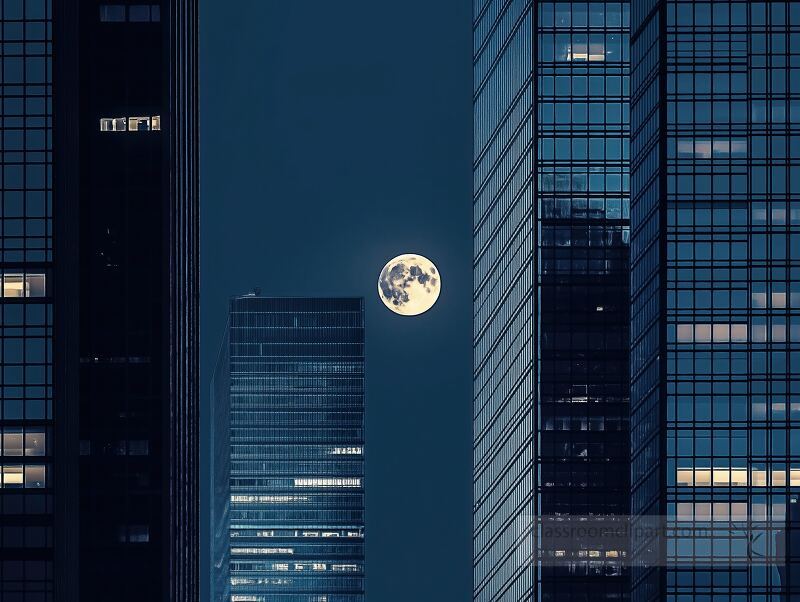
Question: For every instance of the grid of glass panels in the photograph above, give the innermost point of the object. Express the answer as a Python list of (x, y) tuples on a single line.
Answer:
[(503, 324), (26, 571), (551, 287), (582, 179), (731, 163), (647, 292), (296, 449), (733, 166)]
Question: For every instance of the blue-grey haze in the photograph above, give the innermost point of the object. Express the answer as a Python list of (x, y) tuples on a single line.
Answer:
[(335, 137)]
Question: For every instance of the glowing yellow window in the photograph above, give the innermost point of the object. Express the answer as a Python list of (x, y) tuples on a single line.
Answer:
[(139, 124), (778, 299), (155, 122), (739, 333), (722, 333), (597, 51), (12, 476), (23, 285), (702, 333), (722, 477), (13, 285), (778, 478), (759, 478), (739, 477), (794, 477), (685, 333), (685, 476), (702, 477)]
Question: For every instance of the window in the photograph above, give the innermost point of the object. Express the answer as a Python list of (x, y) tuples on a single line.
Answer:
[(17, 443), (23, 285), (138, 124), (330, 482), (131, 124), (34, 476), (12, 476), (34, 443), (136, 13), (112, 13), (138, 534), (138, 447), (31, 476), (12, 442), (707, 333), (113, 124), (133, 534)]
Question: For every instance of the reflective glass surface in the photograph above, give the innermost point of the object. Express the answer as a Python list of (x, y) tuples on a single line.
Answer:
[(26, 323), (716, 261), (294, 370), (551, 318)]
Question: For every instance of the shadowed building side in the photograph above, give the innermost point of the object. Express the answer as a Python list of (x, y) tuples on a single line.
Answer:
[(99, 475), (551, 296)]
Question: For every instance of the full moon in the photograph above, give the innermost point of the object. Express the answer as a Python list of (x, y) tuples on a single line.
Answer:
[(409, 284)]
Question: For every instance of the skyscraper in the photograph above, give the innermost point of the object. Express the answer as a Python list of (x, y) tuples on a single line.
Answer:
[(715, 295), (288, 394), (99, 297), (551, 317)]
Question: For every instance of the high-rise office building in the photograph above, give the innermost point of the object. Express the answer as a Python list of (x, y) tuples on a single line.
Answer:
[(551, 319), (288, 394), (98, 310), (715, 286)]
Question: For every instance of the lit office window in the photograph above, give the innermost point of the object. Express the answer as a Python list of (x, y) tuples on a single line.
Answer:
[(332, 482), (34, 476), (588, 51), (12, 476), (34, 443), (17, 443), (23, 285), (130, 124), (12, 442), (138, 124), (31, 476), (113, 124), (737, 477)]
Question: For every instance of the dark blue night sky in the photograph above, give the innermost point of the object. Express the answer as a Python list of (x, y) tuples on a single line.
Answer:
[(334, 137)]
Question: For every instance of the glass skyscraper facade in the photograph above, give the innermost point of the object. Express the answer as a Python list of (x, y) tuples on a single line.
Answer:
[(26, 308), (551, 319), (716, 296), (98, 259), (289, 435)]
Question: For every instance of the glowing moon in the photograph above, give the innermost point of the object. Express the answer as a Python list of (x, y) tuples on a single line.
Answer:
[(409, 284)]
